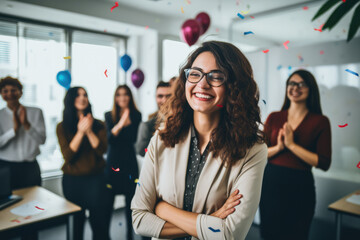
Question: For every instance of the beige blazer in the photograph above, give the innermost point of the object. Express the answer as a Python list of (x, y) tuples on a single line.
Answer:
[(163, 177)]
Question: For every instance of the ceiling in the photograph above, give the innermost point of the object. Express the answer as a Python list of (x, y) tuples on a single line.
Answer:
[(274, 21)]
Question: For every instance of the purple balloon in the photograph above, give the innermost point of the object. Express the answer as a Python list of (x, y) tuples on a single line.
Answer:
[(137, 78), (204, 21), (190, 31)]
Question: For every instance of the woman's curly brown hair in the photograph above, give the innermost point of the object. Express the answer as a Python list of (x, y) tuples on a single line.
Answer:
[(238, 128)]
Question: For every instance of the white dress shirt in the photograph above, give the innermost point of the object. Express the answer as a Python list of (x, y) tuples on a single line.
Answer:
[(23, 145)]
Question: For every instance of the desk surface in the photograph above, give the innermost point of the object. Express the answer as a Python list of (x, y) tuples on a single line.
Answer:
[(56, 206), (346, 207)]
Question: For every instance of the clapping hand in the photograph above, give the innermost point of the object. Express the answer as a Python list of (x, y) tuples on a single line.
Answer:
[(23, 117), (125, 118), (85, 123), (288, 135)]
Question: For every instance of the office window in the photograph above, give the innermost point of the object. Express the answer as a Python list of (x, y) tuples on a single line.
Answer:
[(175, 54), (92, 55)]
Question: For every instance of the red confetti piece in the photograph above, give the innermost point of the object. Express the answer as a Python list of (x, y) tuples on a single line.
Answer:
[(319, 29), (39, 208), (252, 17), (28, 217), (344, 0), (286, 43), (145, 149), (321, 52), (306, 8), (105, 73), (116, 170), (146, 27), (266, 51), (358, 167), (219, 105), (342, 126), (115, 6), (15, 220)]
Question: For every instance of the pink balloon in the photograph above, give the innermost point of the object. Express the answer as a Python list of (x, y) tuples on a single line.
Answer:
[(137, 78), (204, 21), (190, 31)]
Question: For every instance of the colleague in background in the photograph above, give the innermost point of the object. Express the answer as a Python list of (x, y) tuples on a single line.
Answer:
[(83, 142), (147, 129), (122, 170), (208, 155), (299, 138), (22, 131)]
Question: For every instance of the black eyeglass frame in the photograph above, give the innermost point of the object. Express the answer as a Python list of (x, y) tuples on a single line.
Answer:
[(299, 85), (187, 72)]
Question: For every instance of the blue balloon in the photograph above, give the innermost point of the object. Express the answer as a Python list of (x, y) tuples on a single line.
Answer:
[(64, 78), (125, 62)]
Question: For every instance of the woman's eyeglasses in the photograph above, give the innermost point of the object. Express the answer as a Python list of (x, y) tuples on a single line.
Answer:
[(213, 78), (299, 85)]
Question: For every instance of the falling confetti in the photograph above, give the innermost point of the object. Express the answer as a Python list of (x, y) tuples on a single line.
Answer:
[(266, 51), (285, 44), (321, 52), (300, 58), (28, 217), (249, 32), (15, 220), (188, 1), (109, 186), (182, 10), (240, 16), (105, 73), (352, 72), (39, 208), (214, 230), (243, 12), (289, 67), (264, 101), (252, 17), (136, 181), (306, 8), (145, 149), (68, 57), (146, 27), (342, 126), (358, 165), (279, 67), (115, 6), (115, 170), (320, 28), (219, 105)]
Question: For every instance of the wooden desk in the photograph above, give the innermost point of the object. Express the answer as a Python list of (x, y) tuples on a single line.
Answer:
[(344, 207), (58, 211)]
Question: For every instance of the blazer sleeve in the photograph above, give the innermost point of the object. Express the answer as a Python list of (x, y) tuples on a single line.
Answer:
[(66, 151), (143, 138), (323, 145), (237, 224), (6, 137), (37, 128), (144, 220)]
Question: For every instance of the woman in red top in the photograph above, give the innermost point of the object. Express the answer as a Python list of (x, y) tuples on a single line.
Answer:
[(298, 138)]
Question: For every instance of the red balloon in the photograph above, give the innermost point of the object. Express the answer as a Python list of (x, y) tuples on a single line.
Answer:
[(190, 31), (204, 21)]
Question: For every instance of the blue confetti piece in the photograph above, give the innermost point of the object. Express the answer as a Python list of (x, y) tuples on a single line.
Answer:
[(249, 32), (264, 101), (129, 176), (289, 67), (352, 72), (138, 184), (279, 67), (240, 16), (214, 230)]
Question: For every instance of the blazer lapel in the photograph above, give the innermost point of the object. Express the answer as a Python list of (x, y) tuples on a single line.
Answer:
[(181, 156), (206, 179)]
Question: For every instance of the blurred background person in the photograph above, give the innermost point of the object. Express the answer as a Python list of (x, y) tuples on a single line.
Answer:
[(83, 142), (147, 129), (122, 169), (299, 138), (22, 131)]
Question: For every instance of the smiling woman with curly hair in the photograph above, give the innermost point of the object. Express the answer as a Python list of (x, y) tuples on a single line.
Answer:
[(208, 155)]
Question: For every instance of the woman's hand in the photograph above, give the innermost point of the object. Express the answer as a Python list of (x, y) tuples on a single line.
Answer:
[(288, 135), (83, 124), (16, 121), (23, 117), (125, 119), (229, 206), (90, 120), (280, 140)]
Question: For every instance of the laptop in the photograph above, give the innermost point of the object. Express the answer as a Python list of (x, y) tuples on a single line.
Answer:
[(6, 197)]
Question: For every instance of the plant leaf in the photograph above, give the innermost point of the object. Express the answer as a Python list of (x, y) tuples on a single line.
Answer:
[(355, 24), (329, 4), (338, 14)]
